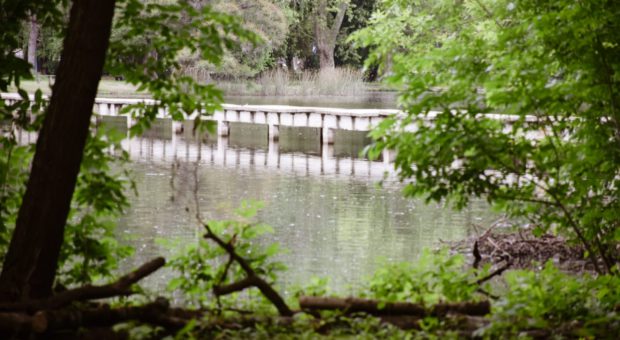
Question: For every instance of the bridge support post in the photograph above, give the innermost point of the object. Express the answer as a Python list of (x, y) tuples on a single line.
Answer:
[(388, 156), (327, 135), (273, 154), (130, 122), (330, 123), (274, 132), (223, 128)]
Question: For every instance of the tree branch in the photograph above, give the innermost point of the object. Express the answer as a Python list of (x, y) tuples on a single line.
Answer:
[(342, 10), (121, 287), (257, 281), (495, 273), (249, 281), (375, 307)]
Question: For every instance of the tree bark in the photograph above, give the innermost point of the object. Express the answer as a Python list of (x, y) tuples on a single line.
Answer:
[(33, 36), (30, 265), (325, 35)]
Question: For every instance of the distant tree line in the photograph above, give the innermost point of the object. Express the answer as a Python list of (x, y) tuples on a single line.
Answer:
[(296, 34)]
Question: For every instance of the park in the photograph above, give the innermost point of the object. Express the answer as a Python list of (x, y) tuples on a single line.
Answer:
[(200, 169)]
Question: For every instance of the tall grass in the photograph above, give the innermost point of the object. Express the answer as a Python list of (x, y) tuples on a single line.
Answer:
[(277, 82), (334, 82)]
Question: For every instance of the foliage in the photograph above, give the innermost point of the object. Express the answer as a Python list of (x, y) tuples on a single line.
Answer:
[(91, 249), (551, 68), (269, 21), (347, 52), (436, 277), (165, 30), (22, 117), (561, 304), (12, 14), (205, 265)]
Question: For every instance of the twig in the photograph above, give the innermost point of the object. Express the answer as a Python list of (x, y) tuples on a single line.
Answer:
[(265, 288), (495, 273), (477, 257), (238, 286)]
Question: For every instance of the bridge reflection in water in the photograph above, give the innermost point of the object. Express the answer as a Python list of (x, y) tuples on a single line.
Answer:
[(321, 200), (165, 151)]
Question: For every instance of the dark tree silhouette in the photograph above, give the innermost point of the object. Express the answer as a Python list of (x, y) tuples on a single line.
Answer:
[(30, 265)]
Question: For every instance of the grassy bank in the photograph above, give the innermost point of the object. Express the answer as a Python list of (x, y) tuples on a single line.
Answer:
[(340, 82), (108, 87)]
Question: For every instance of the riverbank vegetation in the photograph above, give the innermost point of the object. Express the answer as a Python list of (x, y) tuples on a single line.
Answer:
[(551, 67), (301, 38)]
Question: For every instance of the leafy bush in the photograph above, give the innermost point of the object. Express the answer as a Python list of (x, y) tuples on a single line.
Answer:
[(435, 277), (550, 69), (557, 304), (205, 265)]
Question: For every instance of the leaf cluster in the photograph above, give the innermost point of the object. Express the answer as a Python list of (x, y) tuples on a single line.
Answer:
[(205, 265), (149, 39), (516, 102)]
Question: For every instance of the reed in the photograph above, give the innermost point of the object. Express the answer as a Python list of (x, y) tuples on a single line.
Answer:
[(334, 82)]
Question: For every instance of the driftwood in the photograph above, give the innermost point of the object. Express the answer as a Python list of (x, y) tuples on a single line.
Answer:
[(121, 287), (374, 307)]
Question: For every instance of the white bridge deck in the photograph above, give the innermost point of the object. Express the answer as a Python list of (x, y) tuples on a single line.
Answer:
[(326, 119), (274, 116)]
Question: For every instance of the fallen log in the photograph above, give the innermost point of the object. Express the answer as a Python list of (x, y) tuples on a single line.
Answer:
[(154, 313), (375, 307), (121, 287)]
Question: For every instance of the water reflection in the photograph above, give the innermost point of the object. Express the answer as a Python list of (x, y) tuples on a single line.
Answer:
[(326, 207), (323, 202)]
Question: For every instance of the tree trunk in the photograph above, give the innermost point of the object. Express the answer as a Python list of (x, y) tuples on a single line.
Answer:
[(30, 265), (33, 36), (325, 35)]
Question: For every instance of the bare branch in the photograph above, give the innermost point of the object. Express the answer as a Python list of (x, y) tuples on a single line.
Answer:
[(495, 273), (265, 288), (121, 287)]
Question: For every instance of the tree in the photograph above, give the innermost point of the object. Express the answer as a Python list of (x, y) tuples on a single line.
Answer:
[(326, 30), (347, 52), (31, 263), (266, 19), (33, 36), (551, 68)]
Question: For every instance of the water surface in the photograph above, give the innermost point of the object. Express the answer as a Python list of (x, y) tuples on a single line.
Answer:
[(324, 203)]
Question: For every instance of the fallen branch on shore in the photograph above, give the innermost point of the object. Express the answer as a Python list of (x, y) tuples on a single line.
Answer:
[(121, 287), (375, 307)]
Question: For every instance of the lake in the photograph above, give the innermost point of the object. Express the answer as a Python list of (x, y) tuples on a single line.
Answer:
[(326, 204)]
